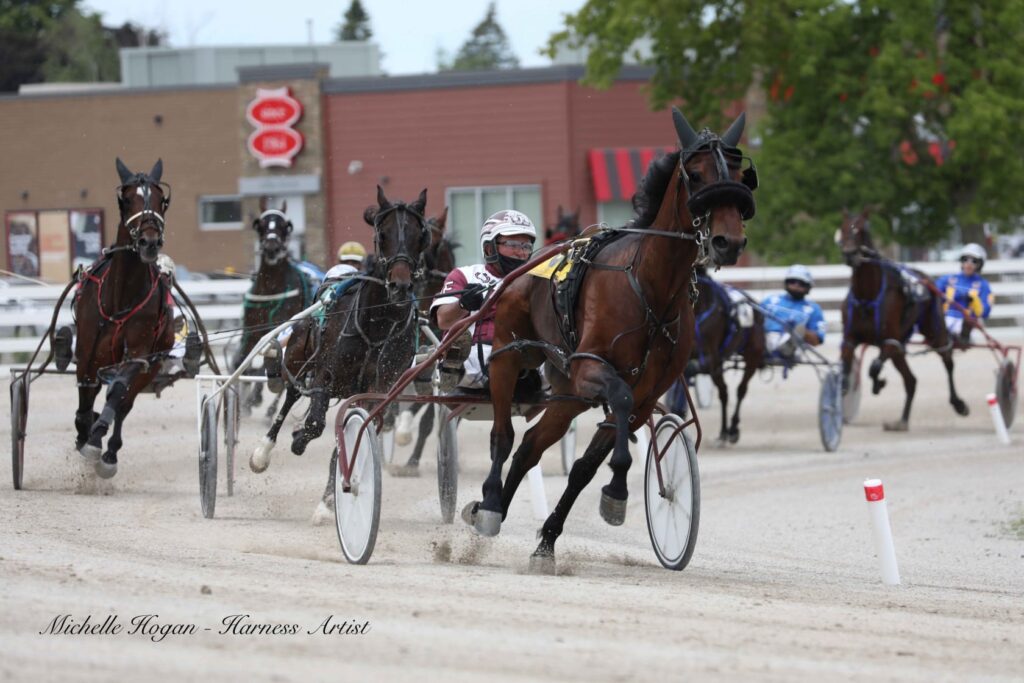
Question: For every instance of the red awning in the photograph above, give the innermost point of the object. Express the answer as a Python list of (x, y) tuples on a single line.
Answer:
[(617, 171)]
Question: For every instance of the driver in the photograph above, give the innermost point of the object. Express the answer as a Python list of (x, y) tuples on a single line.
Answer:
[(506, 241), (970, 290), (791, 314)]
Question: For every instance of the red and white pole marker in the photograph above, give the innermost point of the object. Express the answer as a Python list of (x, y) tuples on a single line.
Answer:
[(538, 496), (997, 419), (875, 494)]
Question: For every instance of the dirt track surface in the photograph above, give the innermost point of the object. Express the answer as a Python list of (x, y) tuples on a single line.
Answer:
[(783, 585)]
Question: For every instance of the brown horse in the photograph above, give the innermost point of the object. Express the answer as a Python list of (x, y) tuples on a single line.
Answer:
[(719, 340), (279, 289), (367, 335), (634, 325), (883, 307), (124, 316), (566, 227)]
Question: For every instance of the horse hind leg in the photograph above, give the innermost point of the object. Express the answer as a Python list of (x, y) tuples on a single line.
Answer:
[(316, 421), (910, 385), (260, 458), (85, 416), (107, 465), (954, 399), (723, 398), (877, 383), (741, 393), (412, 466), (116, 393)]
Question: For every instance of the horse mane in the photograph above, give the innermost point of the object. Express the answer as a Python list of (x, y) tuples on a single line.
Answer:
[(647, 200)]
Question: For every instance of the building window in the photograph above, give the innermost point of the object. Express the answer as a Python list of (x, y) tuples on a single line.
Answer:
[(468, 207), (50, 244), (222, 212), (616, 213)]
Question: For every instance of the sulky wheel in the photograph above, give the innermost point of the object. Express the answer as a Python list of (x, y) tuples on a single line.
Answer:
[(672, 519), (357, 511), (830, 409), (568, 446), (447, 463), (19, 420), (851, 402), (1006, 390), (208, 458), (232, 416)]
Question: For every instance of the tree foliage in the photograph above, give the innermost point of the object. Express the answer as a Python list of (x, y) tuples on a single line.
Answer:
[(911, 106), (357, 23), (486, 48)]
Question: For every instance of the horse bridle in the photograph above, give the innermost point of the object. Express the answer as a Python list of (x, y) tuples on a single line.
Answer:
[(143, 183), (264, 240), (859, 252), (417, 266)]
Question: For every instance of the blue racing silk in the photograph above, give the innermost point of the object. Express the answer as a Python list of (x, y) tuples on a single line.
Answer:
[(785, 312)]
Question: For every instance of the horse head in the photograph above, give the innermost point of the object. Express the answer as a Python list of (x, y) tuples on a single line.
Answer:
[(142, 200), (566, 227), (854, 237), (401, 238), (273, 230), (719, 182)]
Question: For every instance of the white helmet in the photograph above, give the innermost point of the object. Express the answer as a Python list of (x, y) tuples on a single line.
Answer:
[(975, 251), (801, 273), (507, 222)]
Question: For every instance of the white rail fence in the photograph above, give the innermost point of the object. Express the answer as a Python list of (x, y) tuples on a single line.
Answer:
[(25, 310)]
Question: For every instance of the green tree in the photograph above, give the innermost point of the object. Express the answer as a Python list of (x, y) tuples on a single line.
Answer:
[(357, 24), (907, 105), (486, 48)]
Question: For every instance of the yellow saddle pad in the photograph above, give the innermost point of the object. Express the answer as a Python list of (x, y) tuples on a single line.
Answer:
[(559, 265)]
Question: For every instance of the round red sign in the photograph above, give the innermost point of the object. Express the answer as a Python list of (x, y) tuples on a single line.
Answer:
[(275, 146), (273, 108)]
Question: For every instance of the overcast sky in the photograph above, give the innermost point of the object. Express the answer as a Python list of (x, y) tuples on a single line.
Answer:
[(409, 32)]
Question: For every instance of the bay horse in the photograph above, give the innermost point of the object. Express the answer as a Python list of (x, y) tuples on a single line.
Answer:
[(124, 316), (367, 336), (634, 326), (882, 309), (720, 344), (440, 261), (566, 227), (279, 289)]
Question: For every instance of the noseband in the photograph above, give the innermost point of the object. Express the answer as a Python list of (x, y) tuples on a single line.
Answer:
[(416, 265), (148, 215), (274, 237)]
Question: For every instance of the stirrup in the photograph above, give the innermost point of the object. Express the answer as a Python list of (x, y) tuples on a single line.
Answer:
[(62, 347), (272, 366), (193, 357)]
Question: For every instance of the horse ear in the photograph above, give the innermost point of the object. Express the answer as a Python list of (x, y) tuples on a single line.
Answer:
[(158, 170), (263, 203), (284, 205), (123, 171), (382, 200), (684, 131), (732, 136), (442, 219), (370, 214), (421, 201)]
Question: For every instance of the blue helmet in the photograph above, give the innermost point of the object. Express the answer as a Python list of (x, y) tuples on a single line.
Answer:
[(801, 274)]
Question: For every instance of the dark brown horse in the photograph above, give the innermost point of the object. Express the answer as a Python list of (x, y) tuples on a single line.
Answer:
[(566, 227), (634, 326), (440, 260), (279, 289), (366, 339), (124, 316), (884, 306), (720, 343)]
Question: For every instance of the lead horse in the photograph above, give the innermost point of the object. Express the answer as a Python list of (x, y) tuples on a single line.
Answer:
[(124, 316), (634, 314), (883, 310)]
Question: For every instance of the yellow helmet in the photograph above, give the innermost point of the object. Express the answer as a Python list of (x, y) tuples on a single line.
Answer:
[(351, 252)]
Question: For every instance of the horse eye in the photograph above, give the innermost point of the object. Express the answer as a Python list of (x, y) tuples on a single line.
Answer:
[(695, 177)]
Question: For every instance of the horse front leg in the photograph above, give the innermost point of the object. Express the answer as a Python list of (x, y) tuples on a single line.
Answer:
[(847, 350), (616, 393), (316, 420), (85, 415), (412, 466), (260, 458), (325, 508), (116, 393), (718, 377), (899, 359), (741, 393)]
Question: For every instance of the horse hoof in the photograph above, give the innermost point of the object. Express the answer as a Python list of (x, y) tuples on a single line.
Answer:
[(403, 430), (259, 461), (486, 522), (877, 386), (91, 453), (299, 444), (961, 408), (404, 471), (897, 426), (734, 436), (107, 466), (613, 510), (322, 514), (542, 563)]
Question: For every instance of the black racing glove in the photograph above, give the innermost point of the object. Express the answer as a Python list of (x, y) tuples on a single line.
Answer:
[(472, 297)]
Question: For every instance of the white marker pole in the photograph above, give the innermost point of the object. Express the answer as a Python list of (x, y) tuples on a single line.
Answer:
[(997, 419), (875, 494), (538, 497)]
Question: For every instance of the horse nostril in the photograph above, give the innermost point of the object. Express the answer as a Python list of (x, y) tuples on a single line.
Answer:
[(720, 242)]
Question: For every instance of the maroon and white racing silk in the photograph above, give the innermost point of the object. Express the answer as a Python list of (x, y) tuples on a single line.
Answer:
[(457, 281)]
